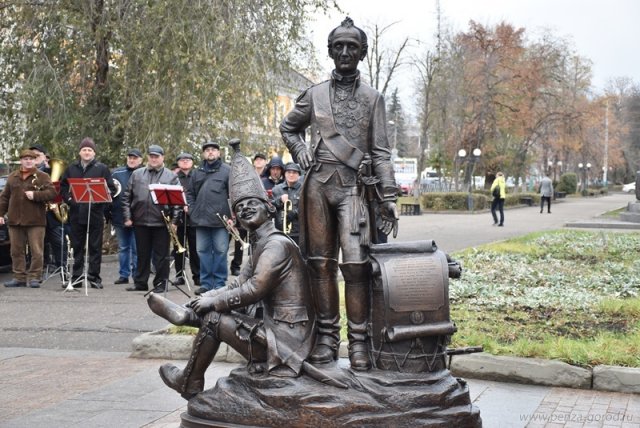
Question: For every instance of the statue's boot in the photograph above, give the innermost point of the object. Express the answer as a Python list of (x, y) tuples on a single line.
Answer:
[(172, 312), (190, 381), (324, 286), (357, 284)]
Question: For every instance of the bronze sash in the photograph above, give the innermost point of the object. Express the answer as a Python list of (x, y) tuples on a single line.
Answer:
[(341, 148)]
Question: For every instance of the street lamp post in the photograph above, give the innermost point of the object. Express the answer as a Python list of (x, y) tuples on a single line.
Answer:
[(584, 169), (462, 157)]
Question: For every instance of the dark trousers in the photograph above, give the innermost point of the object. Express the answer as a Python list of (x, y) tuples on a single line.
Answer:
[(236, 263), (55, 244), (152, 242), (78, 237), (499, 205), (194, 260), (548, 199)]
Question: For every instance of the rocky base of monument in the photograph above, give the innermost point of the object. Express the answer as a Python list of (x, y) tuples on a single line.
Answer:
[(374, 399)]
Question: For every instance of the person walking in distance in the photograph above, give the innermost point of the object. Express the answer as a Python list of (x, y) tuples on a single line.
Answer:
[(546, 193), (348, 167), (207, 196), (499, 193), (127, 254), (23, 200)]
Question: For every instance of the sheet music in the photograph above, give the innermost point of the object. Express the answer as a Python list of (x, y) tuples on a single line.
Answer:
[(155, 189)]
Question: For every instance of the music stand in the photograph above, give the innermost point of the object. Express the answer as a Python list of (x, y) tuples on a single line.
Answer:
[(87, 191), (170, 195), (59, 269)]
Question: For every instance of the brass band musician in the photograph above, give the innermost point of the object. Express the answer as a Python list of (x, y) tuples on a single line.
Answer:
[(151, 231), (23, 199), (86, 167)]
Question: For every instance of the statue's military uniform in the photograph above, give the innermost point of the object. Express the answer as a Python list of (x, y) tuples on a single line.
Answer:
[(266, 313), (275, 276), (346, 119)]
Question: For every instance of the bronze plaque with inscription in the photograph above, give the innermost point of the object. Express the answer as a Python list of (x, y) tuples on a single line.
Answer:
[(415, 282)]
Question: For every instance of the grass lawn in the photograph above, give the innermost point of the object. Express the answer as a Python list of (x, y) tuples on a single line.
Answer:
[(566, 295)]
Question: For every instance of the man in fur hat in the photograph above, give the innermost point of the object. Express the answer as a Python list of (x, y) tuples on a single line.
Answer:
[(275, 277)]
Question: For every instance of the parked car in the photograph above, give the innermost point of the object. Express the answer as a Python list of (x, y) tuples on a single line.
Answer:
[(5, 244), (629, 188)]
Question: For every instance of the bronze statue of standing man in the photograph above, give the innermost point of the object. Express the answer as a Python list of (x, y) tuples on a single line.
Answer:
[(349, 170)]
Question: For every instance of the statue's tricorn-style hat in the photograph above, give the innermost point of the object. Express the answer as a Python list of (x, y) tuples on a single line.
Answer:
[(244, 181)]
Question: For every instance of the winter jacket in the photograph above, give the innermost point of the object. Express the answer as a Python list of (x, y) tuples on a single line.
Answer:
[(499, 181), (122, 174), (208, 194), (137, 202), (292, 216), (22, 211), (78, 212), (185, 179), (546, 187)]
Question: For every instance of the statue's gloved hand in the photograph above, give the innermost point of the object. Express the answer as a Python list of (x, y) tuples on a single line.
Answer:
[(304, 159), (203, 304), (389, 214)]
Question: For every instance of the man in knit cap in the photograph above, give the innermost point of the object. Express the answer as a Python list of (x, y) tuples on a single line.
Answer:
[(275, 278), (86, 167)]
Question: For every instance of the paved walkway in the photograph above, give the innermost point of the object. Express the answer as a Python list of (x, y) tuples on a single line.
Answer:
[(64, 356)]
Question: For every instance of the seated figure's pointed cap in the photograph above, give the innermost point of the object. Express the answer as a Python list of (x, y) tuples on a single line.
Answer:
[(244, 181)]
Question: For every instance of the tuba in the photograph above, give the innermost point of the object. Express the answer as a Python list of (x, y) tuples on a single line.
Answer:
[(61, 210)]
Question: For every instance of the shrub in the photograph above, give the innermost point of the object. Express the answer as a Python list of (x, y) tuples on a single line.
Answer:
[(442, 201), (568, 183)]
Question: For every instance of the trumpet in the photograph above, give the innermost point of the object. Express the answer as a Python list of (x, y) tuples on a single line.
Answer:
[(288, 207), (232, 230), (172, 233)]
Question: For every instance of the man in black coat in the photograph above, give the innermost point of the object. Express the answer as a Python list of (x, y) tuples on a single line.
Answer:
[(86, 167), (286, 198)]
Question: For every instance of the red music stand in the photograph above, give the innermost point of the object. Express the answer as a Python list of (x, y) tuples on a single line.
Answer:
[(87, 191), (171, 195)]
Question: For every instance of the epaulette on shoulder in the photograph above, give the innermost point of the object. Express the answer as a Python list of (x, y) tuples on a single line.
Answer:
[(309, 88)]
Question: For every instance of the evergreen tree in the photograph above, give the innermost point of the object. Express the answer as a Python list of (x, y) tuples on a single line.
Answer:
[(396, 125)]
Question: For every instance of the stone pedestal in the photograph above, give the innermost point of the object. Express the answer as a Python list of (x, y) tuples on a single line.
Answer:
[(632, 214), (409, 385)]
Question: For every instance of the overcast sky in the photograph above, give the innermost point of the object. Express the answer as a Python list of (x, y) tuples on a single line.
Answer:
[(605, 31)]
